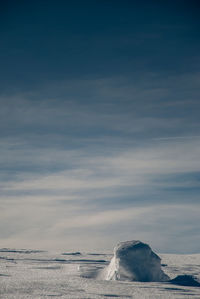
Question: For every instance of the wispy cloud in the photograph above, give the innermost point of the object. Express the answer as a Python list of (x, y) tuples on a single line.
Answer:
[(73, 166), (164, 226)]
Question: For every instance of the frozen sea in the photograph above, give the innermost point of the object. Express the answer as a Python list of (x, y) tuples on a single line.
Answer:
[(41, 274)]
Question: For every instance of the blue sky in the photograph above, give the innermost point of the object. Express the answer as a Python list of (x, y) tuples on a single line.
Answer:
[(99, 124)]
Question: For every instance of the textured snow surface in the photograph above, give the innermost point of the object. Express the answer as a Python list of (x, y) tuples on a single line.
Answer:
[(36, 274), (135, 261)]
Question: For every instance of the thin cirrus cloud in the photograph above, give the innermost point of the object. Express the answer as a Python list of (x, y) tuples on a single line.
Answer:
[(99, 125), (140, 170), (100, 168), (128, 167), (153, 224)]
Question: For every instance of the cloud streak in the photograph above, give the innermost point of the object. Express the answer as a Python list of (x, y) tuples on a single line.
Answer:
[(73, 167)]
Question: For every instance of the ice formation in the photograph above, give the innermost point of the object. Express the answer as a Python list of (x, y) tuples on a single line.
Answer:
[(134, 261)]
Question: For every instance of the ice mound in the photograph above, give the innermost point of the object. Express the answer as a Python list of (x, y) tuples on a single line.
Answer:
[(134, 261)]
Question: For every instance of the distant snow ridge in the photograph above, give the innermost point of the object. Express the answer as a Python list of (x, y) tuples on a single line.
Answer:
[(134, 261)]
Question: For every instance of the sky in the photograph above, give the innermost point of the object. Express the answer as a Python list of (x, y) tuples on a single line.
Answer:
[(100, 124)]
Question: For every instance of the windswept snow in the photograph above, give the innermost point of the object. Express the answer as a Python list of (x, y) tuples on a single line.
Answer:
[(46, 275), (134, 261)]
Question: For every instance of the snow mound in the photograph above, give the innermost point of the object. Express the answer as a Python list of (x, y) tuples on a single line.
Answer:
[(185, 280), (134, 261)]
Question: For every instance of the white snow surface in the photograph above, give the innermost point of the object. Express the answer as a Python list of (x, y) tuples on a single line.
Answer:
[(134, 261), (36, 274)]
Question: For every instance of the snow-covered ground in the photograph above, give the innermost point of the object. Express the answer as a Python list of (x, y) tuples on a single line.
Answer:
[(37, 274)]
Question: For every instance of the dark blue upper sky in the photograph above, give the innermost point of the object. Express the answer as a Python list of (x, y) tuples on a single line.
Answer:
[(100, 124), (52, 40)]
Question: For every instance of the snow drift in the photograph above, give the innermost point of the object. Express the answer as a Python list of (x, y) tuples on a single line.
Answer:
[(185, 280), (134, 261)]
